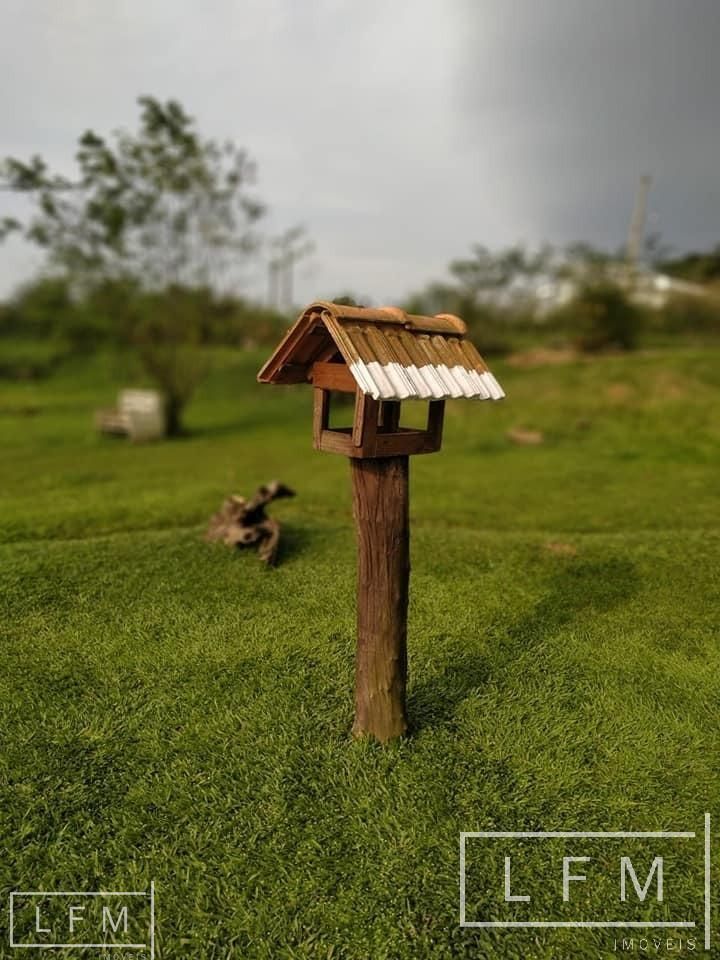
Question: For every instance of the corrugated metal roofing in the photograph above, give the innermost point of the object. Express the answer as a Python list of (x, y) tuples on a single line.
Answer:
[(390, 354)]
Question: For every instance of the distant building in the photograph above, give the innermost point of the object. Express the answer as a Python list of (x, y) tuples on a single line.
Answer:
[(645, 286)]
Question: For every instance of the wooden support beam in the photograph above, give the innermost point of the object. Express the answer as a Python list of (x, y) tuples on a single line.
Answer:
[(329, 352), (366, 420), (436, 415), (338, 440), (404, 442), (389, 415), (380, 507), (291, 373), (333, 376), (321, 415)]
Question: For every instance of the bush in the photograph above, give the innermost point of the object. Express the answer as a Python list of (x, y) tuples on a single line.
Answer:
[(39, 310), (603, 318), (23, 359), (690, 314)]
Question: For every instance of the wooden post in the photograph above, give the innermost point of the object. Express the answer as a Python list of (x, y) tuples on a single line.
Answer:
[(382, 355), (380, 506)]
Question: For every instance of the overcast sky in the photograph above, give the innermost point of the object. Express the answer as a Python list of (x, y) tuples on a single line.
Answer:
[(397, 132)]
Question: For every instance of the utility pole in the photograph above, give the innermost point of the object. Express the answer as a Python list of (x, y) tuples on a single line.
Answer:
[(273, 276), (637, 224), (290, 247)]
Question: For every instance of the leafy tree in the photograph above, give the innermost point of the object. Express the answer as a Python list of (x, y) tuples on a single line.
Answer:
[(604, 312), (488, 275), (154, 211), (606, 317), (491, 290), (583, 260), (39, 309), (694, 267)]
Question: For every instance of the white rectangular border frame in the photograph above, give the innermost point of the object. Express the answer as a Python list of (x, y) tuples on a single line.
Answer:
[(84, 893), (594, 835)]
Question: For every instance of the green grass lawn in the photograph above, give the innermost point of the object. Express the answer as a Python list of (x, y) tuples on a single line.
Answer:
[(171, 710)]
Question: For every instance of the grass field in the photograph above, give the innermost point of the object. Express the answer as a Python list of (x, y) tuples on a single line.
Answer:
[(171, 710)]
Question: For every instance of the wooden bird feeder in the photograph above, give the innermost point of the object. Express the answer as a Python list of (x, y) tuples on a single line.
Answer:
[(383, 356)]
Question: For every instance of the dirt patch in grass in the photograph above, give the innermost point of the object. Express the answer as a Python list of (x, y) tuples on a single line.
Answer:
[(619, 392), (544, 357), (560, 549)]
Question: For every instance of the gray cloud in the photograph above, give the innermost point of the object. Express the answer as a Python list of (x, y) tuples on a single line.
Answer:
[(577, 98), (397, 133)]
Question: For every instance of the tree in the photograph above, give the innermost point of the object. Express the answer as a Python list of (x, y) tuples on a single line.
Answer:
[(38, 309), (496, 276), (606, 317), (694, 267), (491, 290), (157, 212)]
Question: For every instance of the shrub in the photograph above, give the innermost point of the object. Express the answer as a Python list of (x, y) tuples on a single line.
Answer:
[(691, 314), (604, 318)]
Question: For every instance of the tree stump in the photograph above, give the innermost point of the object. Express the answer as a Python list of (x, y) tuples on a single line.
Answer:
[(380, 506)]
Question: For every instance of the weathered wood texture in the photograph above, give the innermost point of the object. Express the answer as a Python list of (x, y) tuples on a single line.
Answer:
[(436, 415), (380, 506), (321, 414), (375, 431), (242, 523), (365, 423), (333, 376), (389, 415)]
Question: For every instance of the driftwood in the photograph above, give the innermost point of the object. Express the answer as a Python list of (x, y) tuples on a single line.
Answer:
[(244, 523)]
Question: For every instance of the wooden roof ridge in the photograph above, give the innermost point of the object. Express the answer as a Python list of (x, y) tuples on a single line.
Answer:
[(444, 323)]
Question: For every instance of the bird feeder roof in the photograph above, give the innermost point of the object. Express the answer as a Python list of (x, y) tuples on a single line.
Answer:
[(391, 355)]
